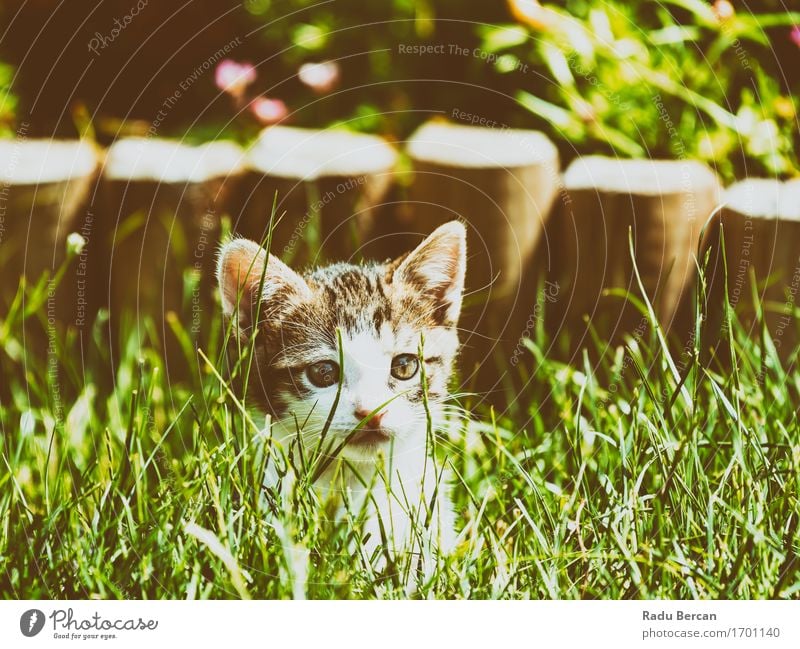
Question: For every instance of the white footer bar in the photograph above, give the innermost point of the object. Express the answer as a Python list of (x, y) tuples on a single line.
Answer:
[(414, 625)]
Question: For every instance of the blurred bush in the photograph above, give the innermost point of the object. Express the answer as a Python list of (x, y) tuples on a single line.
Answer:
[(716, 81), (682, 78)]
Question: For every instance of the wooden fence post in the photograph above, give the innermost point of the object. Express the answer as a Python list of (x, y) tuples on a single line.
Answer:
[(45, 188), (664, 203), (329, 182), (760, 228), (164, 201), (502, 183)]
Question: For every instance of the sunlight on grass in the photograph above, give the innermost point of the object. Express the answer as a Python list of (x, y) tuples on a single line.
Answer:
[(647, 476)]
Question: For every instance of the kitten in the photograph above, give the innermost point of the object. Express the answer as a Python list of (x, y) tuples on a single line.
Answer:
[(397, 326)]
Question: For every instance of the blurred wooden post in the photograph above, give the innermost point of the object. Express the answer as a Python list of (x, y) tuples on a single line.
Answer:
[(334, 180), (502, 183), (45, 191), (760, 228), (665, 203), (164, 202)]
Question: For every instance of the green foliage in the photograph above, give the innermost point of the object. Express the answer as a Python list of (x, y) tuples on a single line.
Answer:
[(632, 79), (672, 80)]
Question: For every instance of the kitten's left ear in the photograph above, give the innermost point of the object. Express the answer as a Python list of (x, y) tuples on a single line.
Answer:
[(437, 267)]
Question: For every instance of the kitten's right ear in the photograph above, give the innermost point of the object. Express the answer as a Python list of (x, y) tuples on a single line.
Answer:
[(239, 274), (436, 268)]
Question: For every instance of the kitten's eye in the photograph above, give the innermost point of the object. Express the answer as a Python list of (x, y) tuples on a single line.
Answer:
[(404, 366), (323, 374)]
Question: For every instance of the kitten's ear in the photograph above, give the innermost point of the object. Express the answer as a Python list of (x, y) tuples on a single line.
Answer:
[(239, 272), (436, 268)]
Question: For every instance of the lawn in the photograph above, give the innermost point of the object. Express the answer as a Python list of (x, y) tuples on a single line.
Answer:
[(644, 475)]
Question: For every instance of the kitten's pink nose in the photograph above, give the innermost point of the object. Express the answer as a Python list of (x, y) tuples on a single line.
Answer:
[(374, 422)]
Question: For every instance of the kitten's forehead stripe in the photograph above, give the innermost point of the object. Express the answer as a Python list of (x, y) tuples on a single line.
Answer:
[(355, 298)]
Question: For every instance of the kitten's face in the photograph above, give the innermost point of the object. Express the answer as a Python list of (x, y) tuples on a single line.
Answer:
[(396, 323)]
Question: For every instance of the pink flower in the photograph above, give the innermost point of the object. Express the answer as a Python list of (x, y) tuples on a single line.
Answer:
[(268, 111), (233, 77), (723, 10), (320, 77), (795, 35)]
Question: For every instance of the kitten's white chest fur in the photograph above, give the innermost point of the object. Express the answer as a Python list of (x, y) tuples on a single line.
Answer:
[(403, 499)]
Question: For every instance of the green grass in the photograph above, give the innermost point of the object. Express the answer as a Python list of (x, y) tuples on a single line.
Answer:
[(622, 480)]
